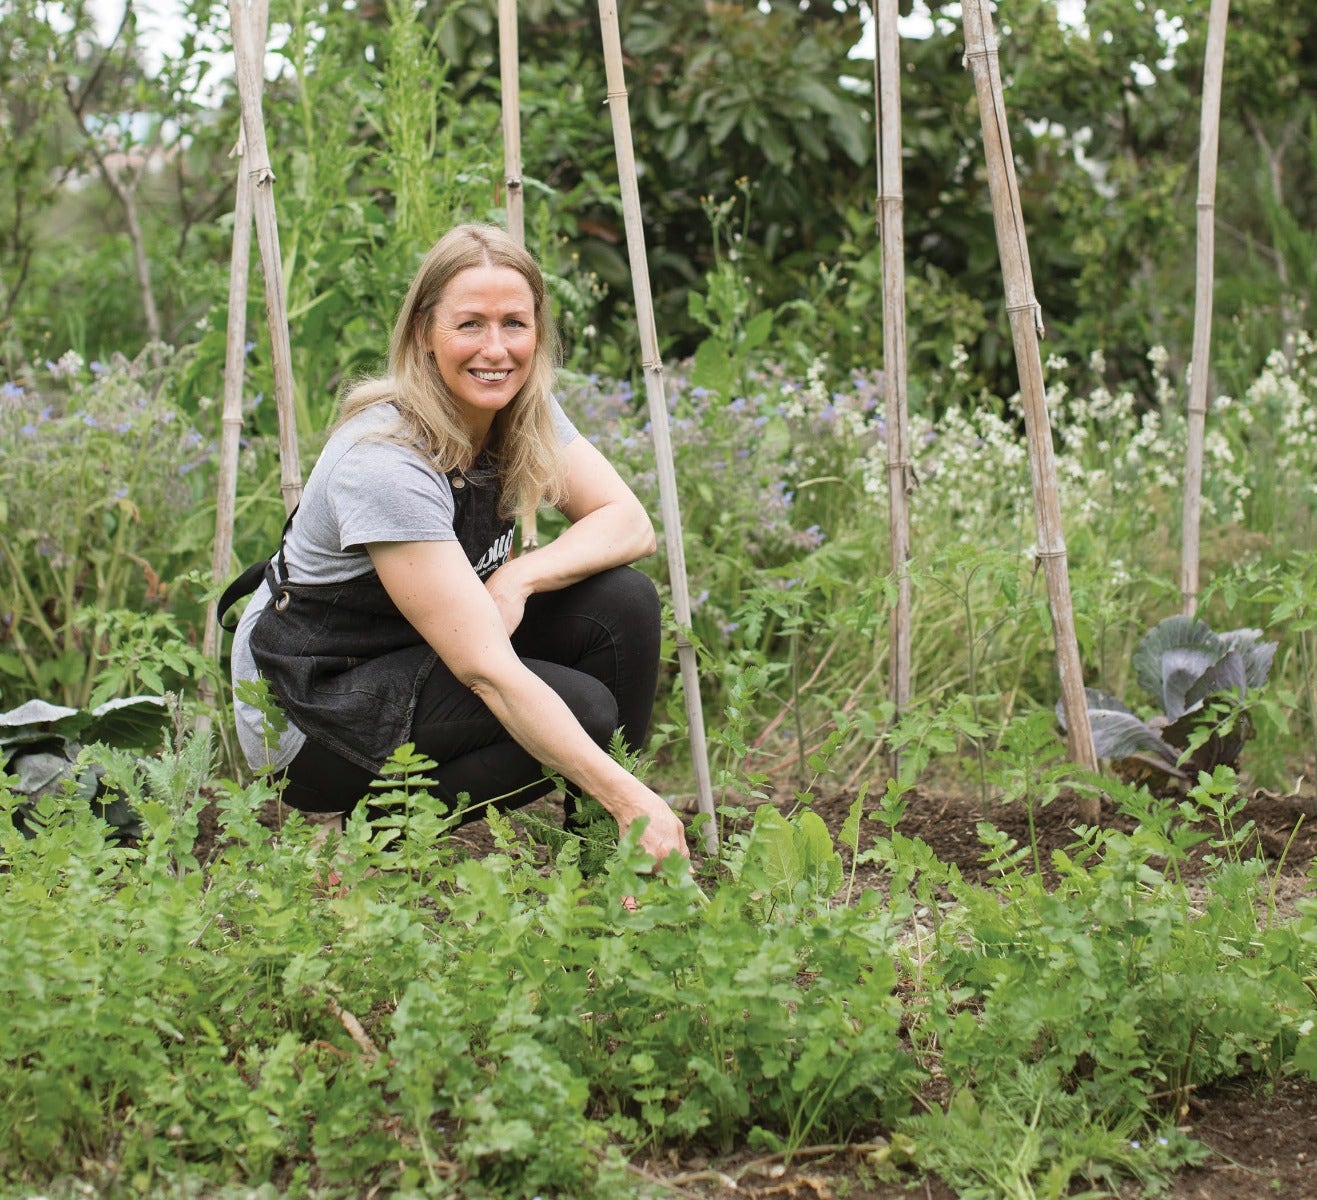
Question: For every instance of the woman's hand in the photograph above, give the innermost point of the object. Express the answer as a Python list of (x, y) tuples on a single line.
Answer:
[(664, 833), (510, 594)]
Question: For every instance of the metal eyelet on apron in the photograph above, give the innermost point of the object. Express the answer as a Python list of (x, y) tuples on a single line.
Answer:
[(282, 602)]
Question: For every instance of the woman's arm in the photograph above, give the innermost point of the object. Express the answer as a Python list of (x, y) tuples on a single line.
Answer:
[(434, 587), (609, 527)]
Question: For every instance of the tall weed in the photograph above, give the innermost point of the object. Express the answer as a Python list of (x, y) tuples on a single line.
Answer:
[(103, 489)]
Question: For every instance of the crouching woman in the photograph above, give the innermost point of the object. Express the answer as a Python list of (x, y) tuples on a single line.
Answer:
[(394, 610)]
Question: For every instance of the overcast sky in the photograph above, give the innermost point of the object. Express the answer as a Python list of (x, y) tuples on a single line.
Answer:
[(159, 23)]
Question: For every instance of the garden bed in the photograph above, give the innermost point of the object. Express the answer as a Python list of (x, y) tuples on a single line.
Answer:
[(1259, 1133)]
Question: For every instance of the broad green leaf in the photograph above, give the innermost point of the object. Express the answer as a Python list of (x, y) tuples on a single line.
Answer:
[(850, 829), (713, 369), (756, 331), (778, 854), (820, 863), (129, 722)]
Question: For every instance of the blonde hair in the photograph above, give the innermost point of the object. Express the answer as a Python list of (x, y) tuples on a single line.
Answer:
[(523, 443)]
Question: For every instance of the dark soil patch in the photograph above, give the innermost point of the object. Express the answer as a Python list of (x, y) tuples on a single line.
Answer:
[(1263, 1139), (1285, 831), (1261, 1135)]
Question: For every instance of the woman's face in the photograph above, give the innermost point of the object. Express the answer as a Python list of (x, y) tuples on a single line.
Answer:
[(482, 336)]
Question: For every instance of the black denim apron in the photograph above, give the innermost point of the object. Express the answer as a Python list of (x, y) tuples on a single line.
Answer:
[(344, 664)]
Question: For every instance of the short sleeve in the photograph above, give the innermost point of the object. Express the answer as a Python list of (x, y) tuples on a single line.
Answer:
[(562, 422), (380, 491)]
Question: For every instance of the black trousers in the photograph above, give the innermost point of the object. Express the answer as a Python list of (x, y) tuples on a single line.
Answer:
[(596, 644)]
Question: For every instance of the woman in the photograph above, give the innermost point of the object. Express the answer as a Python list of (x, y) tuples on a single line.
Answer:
[(394, 611)]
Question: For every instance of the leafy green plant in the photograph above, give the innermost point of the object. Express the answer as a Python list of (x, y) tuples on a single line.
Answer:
[(1201, 681), (1030, 1137), (41, 746), (1114, 992), (101, 509)]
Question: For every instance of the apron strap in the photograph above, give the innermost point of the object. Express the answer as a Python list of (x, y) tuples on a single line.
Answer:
[(250, 580)]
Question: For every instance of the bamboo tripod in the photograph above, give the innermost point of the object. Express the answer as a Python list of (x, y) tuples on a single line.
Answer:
[(1026, 326), (981, 57), (255, 199), (619, 110)]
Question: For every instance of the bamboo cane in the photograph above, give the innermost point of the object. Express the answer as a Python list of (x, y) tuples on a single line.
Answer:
[(231, 421), (1213, 69), (511, 103), (510, 94), (226, 488), (620, 112), (900, 477), (1026, 326), (249, 74)]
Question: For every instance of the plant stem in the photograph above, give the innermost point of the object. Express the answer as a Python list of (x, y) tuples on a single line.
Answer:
[(1310, 683), (795, 704)]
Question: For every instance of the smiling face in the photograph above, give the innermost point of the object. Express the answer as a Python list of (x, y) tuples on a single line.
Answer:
[(482, 336)]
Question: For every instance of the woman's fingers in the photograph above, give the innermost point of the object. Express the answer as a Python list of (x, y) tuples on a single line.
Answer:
[(665, 835)]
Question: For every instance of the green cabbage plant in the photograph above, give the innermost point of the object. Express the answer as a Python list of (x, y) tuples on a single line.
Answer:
[(41, 752), (1201, 681)]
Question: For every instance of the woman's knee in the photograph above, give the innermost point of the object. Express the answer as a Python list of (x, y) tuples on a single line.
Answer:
[(632, 592), (590, 701)]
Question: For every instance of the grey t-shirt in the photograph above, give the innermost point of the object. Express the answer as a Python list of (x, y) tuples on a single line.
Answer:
[(362, 489)]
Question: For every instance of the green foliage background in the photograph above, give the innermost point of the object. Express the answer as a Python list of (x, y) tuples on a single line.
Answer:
[(384, 126)]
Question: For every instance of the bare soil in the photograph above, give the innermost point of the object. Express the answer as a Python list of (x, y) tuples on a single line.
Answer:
[(1261, 1134)]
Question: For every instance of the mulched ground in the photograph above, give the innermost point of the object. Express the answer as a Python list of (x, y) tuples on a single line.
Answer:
[(1261, 1133)]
